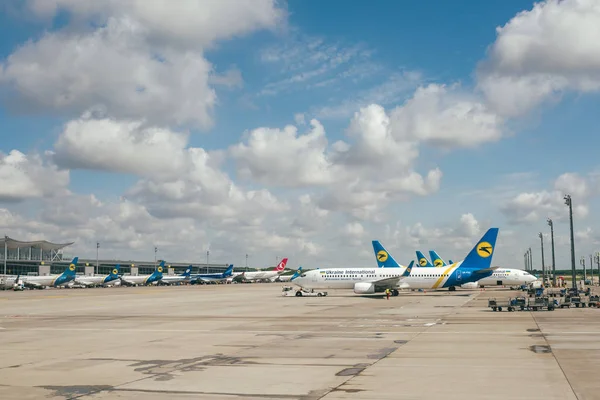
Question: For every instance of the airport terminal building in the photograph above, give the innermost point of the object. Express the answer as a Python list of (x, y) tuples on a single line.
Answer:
[(42, 257)]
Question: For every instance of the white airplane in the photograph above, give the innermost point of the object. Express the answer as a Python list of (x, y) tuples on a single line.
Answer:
[(217, 277), (131, 280), (90, 281), (500, 277), (288, 278), (263, 275), (476, 266), (170, 280), (40, 282)]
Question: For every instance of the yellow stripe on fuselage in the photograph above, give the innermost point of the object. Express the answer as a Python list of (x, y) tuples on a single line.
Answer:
[(441, 278)]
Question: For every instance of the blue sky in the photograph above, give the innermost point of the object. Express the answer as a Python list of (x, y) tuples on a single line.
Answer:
[(138, 126)]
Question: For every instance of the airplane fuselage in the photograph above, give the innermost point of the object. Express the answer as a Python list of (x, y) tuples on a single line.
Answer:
[(94, 280), (419, 278), (50, 280)]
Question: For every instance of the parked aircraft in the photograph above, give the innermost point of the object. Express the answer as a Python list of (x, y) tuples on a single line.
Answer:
[(500, 277), (103, 280), (40, 282), (134, 280), (263, 275), (218, 277), (173, 279), (423, 261), (477, 265)]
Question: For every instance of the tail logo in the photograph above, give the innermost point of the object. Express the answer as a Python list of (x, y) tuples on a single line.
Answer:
[(382, 255), (160, 269), (438, 263), (72, 267), (115, 271), (484, 249), (422, 262), (408, 269)]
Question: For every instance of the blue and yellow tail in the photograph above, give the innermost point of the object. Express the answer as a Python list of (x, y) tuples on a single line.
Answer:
[(423, 261), (297, 273), (384, 259), (71, 268), (436, 259), (480, 257), (158, 272), (187, 272), (114, 274), (408, 269)]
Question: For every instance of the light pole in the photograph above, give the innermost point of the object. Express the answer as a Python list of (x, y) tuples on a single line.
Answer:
[(573, 272), (543, 265), (553, 259), (5, 252), (155, 251), (530, 260), (207, 254), (592, 268), (246, 262), (582, 262), (525, 258), (597, 259), (97, 252)]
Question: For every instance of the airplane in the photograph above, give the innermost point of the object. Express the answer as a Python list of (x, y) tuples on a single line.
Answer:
[(263, 275), (89, 281), (40, 282), (475, 266), (133, 280), (289, 278), (218, 277), (423, 262), (500, 277), (185, 277)]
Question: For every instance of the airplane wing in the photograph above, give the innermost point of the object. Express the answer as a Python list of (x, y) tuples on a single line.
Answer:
[(482, 271), (394, 281), (391, 283)]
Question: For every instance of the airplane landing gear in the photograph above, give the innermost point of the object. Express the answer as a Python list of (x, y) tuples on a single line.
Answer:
[(395, 292), (452, 288)]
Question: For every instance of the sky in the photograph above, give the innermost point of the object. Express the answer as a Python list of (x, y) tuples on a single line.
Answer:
[(300, 129)]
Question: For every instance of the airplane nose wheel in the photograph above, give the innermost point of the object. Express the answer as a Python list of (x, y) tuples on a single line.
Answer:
[(452, 288), (395, 292)]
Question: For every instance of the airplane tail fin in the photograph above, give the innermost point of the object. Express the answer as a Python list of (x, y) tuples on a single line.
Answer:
[(480, 257), (384, 259), (115, 272), (187, 272), (158, 271), (451, 262), (228, 272), (423, 261), (436, 259), (70, 270), (281, 266), (408, 269), (297, 273)]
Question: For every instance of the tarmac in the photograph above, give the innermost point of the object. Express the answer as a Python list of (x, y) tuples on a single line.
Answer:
[(248, 342)]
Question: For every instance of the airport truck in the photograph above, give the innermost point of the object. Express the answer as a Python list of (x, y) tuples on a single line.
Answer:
[(300, 292)]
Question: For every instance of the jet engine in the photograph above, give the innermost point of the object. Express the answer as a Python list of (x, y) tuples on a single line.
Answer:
[(364, 288), (470, 285)]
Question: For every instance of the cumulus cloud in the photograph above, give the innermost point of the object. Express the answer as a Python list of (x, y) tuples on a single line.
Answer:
[(533, 207), (446, 117), (541, 53), (120, 146), (284, 158), (29, 176), (137, 64), (193, 23)]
